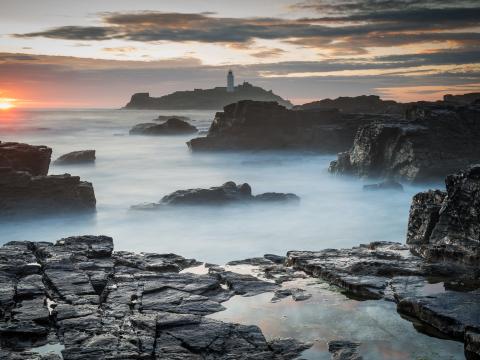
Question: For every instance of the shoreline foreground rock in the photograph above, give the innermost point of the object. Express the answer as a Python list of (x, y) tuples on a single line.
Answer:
[(26, 189), (98, 304), (227, 193)]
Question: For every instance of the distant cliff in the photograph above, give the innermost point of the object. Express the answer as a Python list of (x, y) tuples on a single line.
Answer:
[(211, 99), (367, 104)]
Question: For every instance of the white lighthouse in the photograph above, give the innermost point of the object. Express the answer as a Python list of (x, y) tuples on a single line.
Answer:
[(230, 82)]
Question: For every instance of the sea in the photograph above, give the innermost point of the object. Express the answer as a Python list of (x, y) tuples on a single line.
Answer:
[(334, 212)]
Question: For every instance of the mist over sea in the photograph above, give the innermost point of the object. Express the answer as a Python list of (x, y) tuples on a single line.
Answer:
[(333, 213)]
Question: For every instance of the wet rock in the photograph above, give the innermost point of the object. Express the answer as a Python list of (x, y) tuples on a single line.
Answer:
[(446, 225), (435, 139), (225, 194), (277, 259), (23, 157), (385, 185), (243, 284), (295, 293), (76, 157), (104, 305), (288, 348), (172, 126), (344, 350), (255, 125), (22, 193)]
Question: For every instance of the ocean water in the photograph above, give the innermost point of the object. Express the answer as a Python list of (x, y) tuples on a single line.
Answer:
[(334, 212)]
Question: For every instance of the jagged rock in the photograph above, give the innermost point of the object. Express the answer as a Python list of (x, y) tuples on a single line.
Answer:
[(22, 193), (384, 185), (253, 125), (344, 350), (225, 194), (435, 140), (295, 293), (104, 305), (446, 225), (172, 126), (76, 157), (370, 104), (23, 157)]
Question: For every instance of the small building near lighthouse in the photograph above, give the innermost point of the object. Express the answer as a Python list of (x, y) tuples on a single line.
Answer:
[(230, 82)]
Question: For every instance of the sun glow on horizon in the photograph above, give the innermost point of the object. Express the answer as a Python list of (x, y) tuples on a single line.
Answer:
[(6, 104)]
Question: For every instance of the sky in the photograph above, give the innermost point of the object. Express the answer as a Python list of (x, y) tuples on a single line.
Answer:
[(97, 53)]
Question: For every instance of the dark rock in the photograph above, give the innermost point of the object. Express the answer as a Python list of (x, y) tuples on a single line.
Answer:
[(446, 225), (369, 104), (103, 305), (435, 140), (385, 185), (23, 157), (172, 126), (277, 259), (295, 293), (22, 193), (76, 157), (164, 118), (253, 125), (464, 99), (225, 194), (344, 350)]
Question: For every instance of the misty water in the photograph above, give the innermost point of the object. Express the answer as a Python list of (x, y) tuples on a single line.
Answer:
[(334, 212)]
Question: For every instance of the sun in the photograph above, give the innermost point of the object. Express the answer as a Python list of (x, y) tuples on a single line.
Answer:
[(6, 104)]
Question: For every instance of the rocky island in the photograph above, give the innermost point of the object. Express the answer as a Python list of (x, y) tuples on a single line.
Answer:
[(204, 99)]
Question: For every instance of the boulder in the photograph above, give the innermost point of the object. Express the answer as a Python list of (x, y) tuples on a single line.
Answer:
[(167, 117), (21, 193), (344, 350), (255, 125), (76, 157), (446, 225), (218, 195), (24, 157), (172, 126), (435, 139)]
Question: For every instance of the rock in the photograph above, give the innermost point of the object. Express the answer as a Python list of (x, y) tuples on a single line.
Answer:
[(344, 350), (22, 193), (445, 226), (23, 157), (98, 304), (164, 118), (435, 140), (295, 293), (172, 126), (464, 99), (277, 259), (76, 157), (384, 185), (254, 125), (369, 104), (219, 195)]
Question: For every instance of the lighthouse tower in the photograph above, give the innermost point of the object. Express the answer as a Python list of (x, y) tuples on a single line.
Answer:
[(230, 82)]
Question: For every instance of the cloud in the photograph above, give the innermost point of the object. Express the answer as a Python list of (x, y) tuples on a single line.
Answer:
[(361, 25), (268, 53)]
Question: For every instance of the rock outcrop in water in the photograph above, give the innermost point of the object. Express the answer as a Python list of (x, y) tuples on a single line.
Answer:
[(76, 157), (26, 189), (24, 157), (445, 225), (172, 126), (24, 194), (367, 104), (100, 304), (253, 125), (219, 195), (435, 139), (203, 99)]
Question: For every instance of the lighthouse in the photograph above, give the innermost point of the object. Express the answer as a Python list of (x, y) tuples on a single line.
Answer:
[(230, 82)]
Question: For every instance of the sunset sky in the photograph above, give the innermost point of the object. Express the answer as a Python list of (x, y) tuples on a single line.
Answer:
[(91, 53)]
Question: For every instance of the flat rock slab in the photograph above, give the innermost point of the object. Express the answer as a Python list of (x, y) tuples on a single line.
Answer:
[(103, 305)]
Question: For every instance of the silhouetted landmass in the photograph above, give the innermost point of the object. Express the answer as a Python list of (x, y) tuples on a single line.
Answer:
[(367, 104), (215, 98)]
